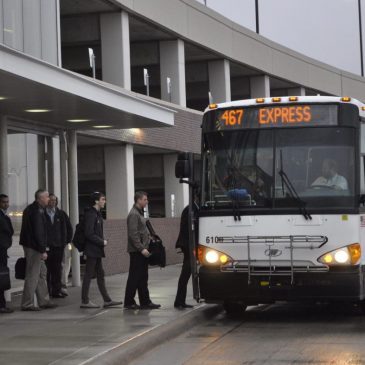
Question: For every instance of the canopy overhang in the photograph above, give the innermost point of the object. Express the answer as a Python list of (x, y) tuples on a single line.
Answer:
[(36, 91)]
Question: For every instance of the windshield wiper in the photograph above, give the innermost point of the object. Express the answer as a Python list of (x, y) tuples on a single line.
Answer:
[(286, 181)]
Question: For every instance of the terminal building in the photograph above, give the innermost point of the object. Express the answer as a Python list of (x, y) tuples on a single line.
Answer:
[(102, 95)]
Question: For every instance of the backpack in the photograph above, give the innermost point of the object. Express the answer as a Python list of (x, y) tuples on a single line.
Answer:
[(79, 240)]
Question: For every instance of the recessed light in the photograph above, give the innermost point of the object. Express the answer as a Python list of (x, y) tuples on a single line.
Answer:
[(37, 110), (103, 126), (78, 120)]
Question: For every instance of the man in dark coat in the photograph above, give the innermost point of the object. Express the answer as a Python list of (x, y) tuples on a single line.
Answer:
[(33, 238), (183, 244), (59, 234), (6, 240), (94, 252)]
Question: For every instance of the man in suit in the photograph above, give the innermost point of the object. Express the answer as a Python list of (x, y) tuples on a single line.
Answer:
[(33, 238), (6, 240), (59, 234), (138, 242), (183, 244)]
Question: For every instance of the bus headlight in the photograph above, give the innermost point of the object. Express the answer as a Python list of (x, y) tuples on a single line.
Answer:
[(348, 255), (209, 256)]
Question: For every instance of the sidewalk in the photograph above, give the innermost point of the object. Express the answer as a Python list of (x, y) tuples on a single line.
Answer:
[(70, 335)]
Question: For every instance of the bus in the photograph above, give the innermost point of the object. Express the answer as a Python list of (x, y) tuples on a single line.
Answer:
[(282, 192)]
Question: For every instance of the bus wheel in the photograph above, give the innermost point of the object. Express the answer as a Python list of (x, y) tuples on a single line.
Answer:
[(234, 307)]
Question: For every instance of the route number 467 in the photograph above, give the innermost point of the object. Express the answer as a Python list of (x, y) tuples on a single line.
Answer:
[(211, 239)]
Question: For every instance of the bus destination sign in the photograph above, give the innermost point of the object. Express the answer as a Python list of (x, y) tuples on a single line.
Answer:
[(273, 116)]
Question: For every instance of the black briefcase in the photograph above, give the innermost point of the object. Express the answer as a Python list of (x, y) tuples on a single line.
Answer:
[(20, 268), (4, 278), (158, 253)]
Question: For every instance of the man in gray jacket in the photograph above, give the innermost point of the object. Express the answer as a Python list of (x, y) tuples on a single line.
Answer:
[(138, 242)]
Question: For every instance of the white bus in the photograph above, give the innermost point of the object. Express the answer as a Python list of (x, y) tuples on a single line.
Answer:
[(282, 214)]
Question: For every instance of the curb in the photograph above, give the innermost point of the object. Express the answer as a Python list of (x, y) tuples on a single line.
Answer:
[(133, 348)]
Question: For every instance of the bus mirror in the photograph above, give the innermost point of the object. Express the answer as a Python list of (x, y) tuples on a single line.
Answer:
[(182, 167)]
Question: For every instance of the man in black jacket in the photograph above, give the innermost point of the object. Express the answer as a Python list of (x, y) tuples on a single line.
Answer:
[(33, 238), (6, 240), (59, 234), (94, 252), (183, 244)]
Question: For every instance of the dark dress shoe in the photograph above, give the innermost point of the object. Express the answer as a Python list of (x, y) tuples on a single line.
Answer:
[(58, 295), (31, 309), (183, 306), (132, 306), (48, 306), (5, 310), (151, 306), (112, 303)]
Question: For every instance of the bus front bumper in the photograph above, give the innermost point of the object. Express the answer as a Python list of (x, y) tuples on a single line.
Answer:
[(340, 284)]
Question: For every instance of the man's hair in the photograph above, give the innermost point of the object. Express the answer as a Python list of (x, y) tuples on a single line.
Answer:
[(95, 197), (53, 194), (3, 196), (139, 195), (38, 193)]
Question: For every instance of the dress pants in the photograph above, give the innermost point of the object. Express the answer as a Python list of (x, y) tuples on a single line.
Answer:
[(66, 266), (54, 269), (3, 263), (137, 280), (35, 279), (93, 267), (183, 279)]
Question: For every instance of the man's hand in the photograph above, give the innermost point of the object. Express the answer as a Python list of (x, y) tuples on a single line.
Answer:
[(105, 242), (44, 256), (145, 253)]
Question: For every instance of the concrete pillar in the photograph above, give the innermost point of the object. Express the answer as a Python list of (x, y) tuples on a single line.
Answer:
[(296, 91), (33, 183), (64, 172), (220, 80), (74, 201), (176, 194), (119, 180), (4, 188), (260, 86), (115, 49), (56, 166), (172, 65)]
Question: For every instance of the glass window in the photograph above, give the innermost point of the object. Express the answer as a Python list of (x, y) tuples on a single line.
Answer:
[(238, 168), (318, 163)]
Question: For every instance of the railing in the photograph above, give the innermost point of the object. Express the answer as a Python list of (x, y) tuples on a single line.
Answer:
[(288, 267)]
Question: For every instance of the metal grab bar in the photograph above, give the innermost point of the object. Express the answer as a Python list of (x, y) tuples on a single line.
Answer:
[(290, 242)]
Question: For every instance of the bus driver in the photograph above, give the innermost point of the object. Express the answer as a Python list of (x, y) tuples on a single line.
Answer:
[(330, 177)]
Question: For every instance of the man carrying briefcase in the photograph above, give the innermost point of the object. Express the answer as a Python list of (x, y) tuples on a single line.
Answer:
[(6, 240)]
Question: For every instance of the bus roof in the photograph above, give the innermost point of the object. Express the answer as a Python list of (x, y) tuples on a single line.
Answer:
[(289, 100)]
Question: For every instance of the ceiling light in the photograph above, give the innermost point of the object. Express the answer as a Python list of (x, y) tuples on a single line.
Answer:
[(103, 126), (3, 97), (78, 120), (37, 110)]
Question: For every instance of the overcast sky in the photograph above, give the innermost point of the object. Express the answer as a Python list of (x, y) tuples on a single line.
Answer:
[(327, 30)]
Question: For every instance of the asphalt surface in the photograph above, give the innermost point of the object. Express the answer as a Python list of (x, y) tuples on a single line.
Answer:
[(277, 334)]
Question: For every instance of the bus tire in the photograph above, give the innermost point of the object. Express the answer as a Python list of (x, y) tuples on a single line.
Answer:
[(234, 307)]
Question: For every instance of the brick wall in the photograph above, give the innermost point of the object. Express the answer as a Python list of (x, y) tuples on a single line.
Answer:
[(117, 258)]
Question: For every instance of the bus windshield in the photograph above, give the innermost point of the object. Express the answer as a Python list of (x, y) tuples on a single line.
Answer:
[(244, 167)]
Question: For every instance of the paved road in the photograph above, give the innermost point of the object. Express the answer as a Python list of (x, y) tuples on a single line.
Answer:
[(276, 334)]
